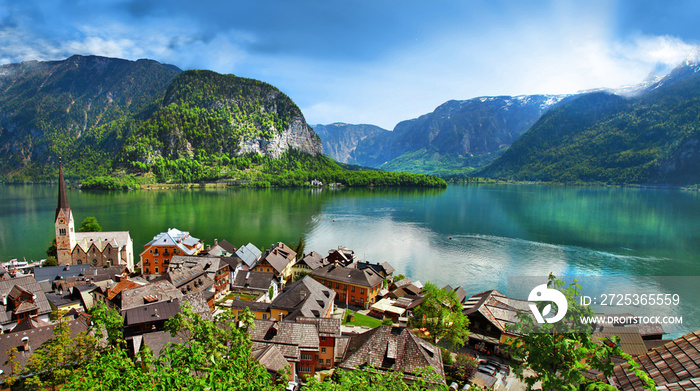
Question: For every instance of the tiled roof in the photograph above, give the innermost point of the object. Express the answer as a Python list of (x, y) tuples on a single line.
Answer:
[(28, 283), (161, 290), (166, 309), (499, 309), (180, 277), (59, 300), (121, 285), (383, 267), (36, 337), (327, 327), (252, 305), (253, 280), (277, 261), (354, 276), (630, 340), (25, 306), (305, 297), (156, 341), (392, 349), (17, 291), (289, 352), (30, 323), (305, 336), (116, 239), (673, 366)]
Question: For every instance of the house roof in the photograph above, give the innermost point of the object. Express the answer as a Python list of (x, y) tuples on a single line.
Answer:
[(116, 239), (36, 337), (269, 356), (31, 322), (383, 267), (160, 290), (120, 286), (166, 309), (348, 275), (249, 254), (392, 349), (313, 260), (496, 307), (303, 335), (27, 283), (60, 300), (673, 366), (58, 272), (252, 305), (173, 237), (631, 341), (95, 274), (253, 280), (277, 261), (327, 327), (305, 297), (156, 341)]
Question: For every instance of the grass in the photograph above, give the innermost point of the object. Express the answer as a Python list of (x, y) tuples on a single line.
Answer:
[(363, 320)]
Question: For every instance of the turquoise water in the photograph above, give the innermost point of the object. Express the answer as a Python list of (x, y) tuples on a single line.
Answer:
[(473, 236)]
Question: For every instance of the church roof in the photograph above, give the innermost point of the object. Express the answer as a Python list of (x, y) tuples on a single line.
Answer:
[(62, 196)]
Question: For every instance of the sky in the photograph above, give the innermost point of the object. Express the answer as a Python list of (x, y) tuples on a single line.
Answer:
[(375, 61)]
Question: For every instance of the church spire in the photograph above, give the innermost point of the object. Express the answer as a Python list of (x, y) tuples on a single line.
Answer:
[(62, 197)]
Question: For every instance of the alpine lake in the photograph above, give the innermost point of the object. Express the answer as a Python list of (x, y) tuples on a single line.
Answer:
[(480, 237)]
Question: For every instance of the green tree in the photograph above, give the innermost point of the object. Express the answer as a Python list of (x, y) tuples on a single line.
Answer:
[(90, 225), (371, 379), (559, 355), (50, 261), (441, 314), (464, 367), (52, 251), (298, 247)]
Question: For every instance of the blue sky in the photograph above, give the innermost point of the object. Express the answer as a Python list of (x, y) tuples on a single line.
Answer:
[(371, 61)]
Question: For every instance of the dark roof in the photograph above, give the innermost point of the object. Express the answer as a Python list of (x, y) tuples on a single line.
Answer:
[(36, 338), (348, 275), (162, 310), (496, 307), (180, 277), (392, 349), (232, 262), (58, 272), (313, 260), (104, 273), (327, 327), (277, 261), (253, 280), (31, 322), (59, 300), (161, 291), (62, 196), (156, 341), (253, 305), (305, 297), (673, 366), (28, 283), (383, 267)]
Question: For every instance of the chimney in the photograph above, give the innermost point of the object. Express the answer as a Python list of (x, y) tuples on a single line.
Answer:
[(25, 344), (216, 242), (209, 247)]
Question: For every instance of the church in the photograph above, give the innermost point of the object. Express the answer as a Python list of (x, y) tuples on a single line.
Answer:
[(93, 248)]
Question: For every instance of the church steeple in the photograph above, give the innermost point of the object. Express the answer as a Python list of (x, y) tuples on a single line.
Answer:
[(62, 197), (65, 228)]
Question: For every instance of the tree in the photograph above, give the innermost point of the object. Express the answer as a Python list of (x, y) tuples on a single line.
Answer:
[(441, 314), (371, 379), (298, 247), (560, 354), (90, 225), (464, 367), (52, 251), (50, 261)]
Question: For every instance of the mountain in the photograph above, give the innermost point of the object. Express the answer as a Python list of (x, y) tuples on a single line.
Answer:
[(456, 136), (340, 140), (652, 138), (118, 123), (81, 106)]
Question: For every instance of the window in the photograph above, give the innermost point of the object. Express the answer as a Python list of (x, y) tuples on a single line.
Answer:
[(352, 289), (337, 286), (343, 296), (264, 316), (328, 361), (323, 350), (362, 291), (323, 339), (352, 298), (62, 231), (305, 369), (156, 269), (307, 357)]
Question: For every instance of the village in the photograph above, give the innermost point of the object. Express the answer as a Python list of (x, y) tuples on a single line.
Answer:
[(313, 312)]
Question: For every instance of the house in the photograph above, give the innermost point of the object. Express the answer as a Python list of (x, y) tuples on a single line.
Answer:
[(386, 308), (341, 255), (383, 269), (61, 272), (111, 295), (83, 248), (255, 283), (152, 316), (459, 292), (215, 269), (189, 280), (269, 356), (279, 259), (331, 343), (307, 264), (490, 315), (352, 286), (303, 298), (149, 293), (28, 340), (221, 249), (249, 254), (65, 301), (157, 253), (673, 366), (388, 348), (299, 343), (22, 297)]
